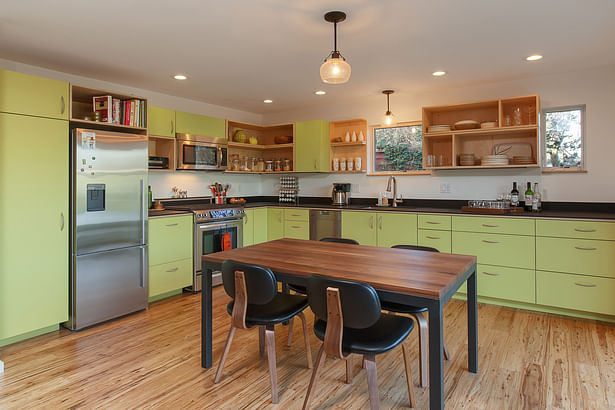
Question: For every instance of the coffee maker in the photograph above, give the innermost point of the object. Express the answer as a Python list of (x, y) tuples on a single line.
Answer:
[(340, 195)]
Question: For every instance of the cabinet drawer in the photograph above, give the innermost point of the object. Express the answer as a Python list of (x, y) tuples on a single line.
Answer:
[(576, 229), (170, 239), (583, 256), (494, 249), (441, 240), (297, 229), (434, 221), (170, 276), (576, 292), (297, 215), (516, 226), (506, 283)]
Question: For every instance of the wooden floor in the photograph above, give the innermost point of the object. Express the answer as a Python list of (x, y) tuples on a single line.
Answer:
[(152, 359)]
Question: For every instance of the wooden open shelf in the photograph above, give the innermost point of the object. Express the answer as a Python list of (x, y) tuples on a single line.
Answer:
[(339, 148), (162, 147), (266, 147), (241, 145)]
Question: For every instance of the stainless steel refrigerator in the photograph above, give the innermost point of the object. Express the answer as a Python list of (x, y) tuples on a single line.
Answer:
[(108, 226)]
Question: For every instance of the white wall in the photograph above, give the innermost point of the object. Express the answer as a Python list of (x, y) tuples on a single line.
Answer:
[(595, 88)]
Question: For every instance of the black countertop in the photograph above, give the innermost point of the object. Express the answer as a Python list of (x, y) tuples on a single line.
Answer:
[(154, 213)]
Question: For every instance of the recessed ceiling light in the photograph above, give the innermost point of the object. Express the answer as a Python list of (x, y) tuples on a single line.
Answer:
[(267, 101), (320, 92), (180, 77), (438, 73), (534, 57)]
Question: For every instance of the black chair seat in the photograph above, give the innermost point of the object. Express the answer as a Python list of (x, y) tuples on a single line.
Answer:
[(400, 308), (386, 334), (298, 288), (282, 308)]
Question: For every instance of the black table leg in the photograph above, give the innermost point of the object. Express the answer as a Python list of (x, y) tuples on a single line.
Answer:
[(472, 325), (436, 366), (206, 355)]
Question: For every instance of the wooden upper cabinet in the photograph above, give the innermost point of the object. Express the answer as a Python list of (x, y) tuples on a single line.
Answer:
[(160, 122), (312, 146), (188, 123), (32, 95)]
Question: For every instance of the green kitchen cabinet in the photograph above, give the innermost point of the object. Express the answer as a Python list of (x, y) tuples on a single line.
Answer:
[(434, 221), (576, 229), (312, 146), (441, 240), (170, 238), (494, 249), (583, 256), (360, 226), (188, 123), (167, 277), (34, 236), (490, 224), (275, 223), (396, 229), (260, 225), (297, 229), (506, 283), (32, 95), (248, 227), (160, 122)]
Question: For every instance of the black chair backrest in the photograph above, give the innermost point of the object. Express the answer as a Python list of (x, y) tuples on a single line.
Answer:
[(416, 248), (340, 240), (360, 302), (261, 285)]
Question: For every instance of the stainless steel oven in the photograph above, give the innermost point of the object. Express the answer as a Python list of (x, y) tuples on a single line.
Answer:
[(195, 152), (209, 230)]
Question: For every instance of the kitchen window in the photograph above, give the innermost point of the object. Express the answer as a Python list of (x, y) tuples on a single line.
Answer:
[(563, 130), (398, 149)]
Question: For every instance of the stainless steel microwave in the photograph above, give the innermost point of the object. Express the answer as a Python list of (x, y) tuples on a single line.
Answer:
[(201, 153)]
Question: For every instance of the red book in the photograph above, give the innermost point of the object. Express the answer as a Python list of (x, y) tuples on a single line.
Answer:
[(126, 112), (104, 105)]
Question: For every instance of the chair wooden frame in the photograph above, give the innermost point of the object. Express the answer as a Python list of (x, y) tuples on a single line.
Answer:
[(266, 335), (332, 346)]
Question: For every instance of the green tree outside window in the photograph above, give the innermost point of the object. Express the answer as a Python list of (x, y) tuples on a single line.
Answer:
[(398, 148)]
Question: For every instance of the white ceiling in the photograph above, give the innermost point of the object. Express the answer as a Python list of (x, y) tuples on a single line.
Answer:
[(239, 52)]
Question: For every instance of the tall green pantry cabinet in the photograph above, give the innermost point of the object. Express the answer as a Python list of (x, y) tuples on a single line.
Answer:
[(34, 168)]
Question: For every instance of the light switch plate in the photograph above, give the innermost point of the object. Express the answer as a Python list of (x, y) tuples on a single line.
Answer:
[(445, 188)]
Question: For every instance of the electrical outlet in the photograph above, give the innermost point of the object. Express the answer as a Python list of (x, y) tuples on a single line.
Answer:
[(354, 188), (445, 188)]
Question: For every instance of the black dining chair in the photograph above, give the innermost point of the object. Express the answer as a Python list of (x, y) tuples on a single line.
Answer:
[(419, 315), (303, 290), (257, 302), (349, 320)]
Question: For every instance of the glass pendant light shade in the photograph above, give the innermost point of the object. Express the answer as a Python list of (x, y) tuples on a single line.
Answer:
[(335, 70), (389, 119)]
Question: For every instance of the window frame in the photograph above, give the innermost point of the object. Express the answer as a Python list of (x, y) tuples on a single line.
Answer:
[(371, 171), (543, 139)]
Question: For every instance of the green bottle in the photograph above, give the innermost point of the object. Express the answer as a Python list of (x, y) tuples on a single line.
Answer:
[(150, 200), (528, 197)]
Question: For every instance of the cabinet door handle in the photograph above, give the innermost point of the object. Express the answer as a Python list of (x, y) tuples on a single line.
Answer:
[(294, 215), (432, 237), (490, 226), (172, 127), (380, 222), (371, 222), (491, 274), (295, 227), (315, 164), (486, 241), (172, 270), (584, 230), (434, 222), (585, 285), (61, 221), (585, 249), (175, 224), (245, 221), (63, 104)]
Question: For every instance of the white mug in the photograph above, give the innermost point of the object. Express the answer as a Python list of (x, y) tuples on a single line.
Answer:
[(357, 163), (349, 164), (343, 164), (336, 164)]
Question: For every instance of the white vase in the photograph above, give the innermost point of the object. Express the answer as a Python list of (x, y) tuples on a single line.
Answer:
[(354, 136), (361, 136), (347, 137)]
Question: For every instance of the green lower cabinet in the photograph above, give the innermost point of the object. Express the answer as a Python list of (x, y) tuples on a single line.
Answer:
[(434, 221), (506, 283), (495, 249), (494, 224), (248, 227), (160, 122), (441, 240), (297, 229), (188, 123), (577, 292), (396, 229), (275, 223), (360, 226), (260, 225), (585, 256), (170, 238), (576, 229), (170, 276)]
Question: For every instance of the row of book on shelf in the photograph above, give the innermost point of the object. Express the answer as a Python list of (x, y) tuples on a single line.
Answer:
[(122, 112)]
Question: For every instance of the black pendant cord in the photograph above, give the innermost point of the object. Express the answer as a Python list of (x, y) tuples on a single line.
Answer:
[(335, 37), (388, 108)]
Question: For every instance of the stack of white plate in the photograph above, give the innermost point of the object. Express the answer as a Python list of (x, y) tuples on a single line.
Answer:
[(466, 159), (488, 124), (522, 160), (494, 160), (439, 128), (466, 125)]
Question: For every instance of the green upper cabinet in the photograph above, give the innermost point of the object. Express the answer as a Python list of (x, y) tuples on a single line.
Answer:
[(160, 122), (396, 229), (32, 95), (260, 225), (188, 123), (360, 226), (248, 228), (275, 223), (33, 250), (312, 146)]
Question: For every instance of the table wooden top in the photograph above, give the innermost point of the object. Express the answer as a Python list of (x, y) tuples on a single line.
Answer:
[(420, 273)]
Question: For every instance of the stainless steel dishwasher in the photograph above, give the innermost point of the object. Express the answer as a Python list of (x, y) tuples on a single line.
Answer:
[(325, 224)]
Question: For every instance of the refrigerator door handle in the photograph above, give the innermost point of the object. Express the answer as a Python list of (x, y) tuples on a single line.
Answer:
[(142, 213), (144, 268)]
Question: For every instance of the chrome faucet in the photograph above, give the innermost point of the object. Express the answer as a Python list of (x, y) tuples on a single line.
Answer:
[(395, 200)]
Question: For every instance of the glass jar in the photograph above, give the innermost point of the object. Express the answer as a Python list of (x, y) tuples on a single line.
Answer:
[(287, 166), (243, 164), (253, 164), (269, 166), (278, 165), (261, 165)]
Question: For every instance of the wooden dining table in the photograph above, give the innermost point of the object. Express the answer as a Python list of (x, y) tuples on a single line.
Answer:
[(417, 278)]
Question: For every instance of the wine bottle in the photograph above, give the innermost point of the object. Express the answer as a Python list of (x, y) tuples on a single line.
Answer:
[(528, 197), (150, 201), (514, 195), (536, 199)]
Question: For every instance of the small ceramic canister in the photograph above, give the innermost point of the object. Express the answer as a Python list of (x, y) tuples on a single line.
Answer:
[(336, 164), (357, 163), (349, 164), (343, 164)]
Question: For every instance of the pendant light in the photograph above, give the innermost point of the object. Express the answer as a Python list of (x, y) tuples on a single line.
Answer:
[(335, 69), (389, 118)]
